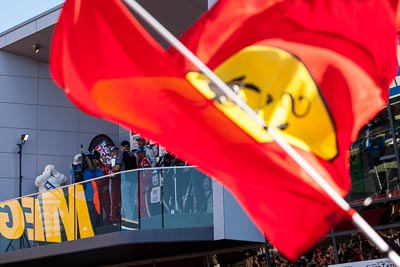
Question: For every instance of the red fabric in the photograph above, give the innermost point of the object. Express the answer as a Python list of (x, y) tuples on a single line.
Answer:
[(346, 27), (99, 50), (96, 197)]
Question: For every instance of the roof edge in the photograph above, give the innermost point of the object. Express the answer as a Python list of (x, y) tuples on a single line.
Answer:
[(31, 19)]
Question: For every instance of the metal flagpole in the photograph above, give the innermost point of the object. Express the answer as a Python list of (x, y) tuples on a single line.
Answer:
[(358, 221)]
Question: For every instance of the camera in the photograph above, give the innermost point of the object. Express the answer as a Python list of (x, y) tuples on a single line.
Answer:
[(89, 155), (92, 155), (82, 163)]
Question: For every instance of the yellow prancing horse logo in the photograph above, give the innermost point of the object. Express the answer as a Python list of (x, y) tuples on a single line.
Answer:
[(282, 92)]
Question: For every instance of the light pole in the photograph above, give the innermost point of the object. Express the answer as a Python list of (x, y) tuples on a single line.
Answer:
[(24, 138)]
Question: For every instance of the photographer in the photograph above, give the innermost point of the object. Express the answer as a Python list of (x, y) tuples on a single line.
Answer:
[(85, 170), (77, 169)]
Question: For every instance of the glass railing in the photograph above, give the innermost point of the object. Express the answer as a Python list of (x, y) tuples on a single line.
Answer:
[(156, 198)]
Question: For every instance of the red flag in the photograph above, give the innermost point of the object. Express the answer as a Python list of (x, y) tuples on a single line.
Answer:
[(110, 67)]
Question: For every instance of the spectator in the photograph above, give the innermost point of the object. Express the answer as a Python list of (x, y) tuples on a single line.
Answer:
[(115, 188), (202, 191), (108, 147), (77, 169), (312, 261), (89, 171), (103, 186), (126, 160), (319, 259), (369, 249), (344, 253), (356, 247), (330, 255), (184, 190), (207, 187), (169, 183), (392, 240), (149, 196), (150, 154), (301, 262)]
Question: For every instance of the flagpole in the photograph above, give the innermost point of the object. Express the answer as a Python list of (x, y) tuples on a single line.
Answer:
[(358, 221)]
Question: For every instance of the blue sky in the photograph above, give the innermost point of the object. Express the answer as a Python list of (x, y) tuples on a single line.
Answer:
[(14, 12)]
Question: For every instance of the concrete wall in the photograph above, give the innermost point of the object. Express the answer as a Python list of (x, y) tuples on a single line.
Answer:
[(31, 103), (230, 220)]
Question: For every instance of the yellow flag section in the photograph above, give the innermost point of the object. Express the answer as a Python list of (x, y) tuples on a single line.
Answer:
[(280, 89), (46, 215)]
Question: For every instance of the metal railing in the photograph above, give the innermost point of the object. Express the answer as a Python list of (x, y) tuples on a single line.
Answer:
[(154, 198)]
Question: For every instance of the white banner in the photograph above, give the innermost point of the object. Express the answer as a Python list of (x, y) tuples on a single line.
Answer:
[(155, 196), (384, 262)]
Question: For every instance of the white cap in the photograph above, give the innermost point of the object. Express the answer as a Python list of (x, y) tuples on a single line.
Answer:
[(77, 159)]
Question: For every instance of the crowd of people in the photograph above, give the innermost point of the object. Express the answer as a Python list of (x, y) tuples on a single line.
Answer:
[(124, 195), (351, 249), (124, 185)]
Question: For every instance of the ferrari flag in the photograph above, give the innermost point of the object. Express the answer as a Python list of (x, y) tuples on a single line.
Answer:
[(314, 70)]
